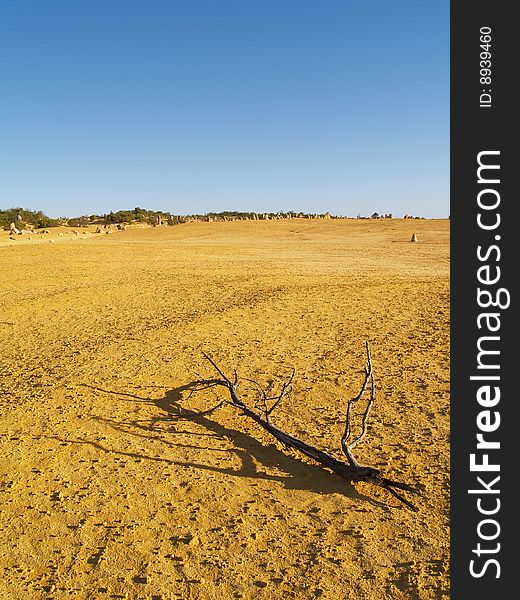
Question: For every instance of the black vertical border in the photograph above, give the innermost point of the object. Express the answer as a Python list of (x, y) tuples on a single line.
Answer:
[(475, 129)]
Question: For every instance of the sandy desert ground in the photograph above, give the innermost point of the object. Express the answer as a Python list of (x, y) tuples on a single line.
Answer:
[(112, 485)]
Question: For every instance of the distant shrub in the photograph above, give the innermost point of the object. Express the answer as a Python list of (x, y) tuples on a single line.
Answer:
[(28, 217)]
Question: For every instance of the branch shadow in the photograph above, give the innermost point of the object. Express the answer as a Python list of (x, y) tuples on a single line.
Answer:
[(258, 461)]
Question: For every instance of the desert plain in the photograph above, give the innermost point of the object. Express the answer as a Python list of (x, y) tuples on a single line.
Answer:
[(112, 482)]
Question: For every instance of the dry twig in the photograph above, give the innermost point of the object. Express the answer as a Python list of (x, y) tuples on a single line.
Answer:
[(264, 407)]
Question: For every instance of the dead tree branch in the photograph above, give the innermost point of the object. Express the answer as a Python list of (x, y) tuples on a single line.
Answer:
[(266, 404), (345, 446)]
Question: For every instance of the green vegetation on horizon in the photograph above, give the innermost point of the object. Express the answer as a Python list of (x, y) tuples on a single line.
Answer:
[(24, 216), (21, 216)]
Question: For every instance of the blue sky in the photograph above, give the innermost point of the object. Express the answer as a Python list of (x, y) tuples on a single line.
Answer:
[(197, 105)]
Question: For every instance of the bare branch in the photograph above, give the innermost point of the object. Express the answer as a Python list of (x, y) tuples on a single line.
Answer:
[(350, 470), (262, 395), (400, 497), (211, 410), (201, 385), (366, 414), (286, 390), (345, 445), (208, 357)]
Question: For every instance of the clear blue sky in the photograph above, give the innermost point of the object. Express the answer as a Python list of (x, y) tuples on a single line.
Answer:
[(197, 105)]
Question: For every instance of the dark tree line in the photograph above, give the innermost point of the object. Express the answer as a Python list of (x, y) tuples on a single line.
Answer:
[(22, 216)]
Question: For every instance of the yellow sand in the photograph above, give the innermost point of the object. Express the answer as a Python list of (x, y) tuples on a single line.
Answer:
[(113, 487)]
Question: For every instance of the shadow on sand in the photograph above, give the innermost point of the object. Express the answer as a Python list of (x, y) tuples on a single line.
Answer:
[(258, 461)]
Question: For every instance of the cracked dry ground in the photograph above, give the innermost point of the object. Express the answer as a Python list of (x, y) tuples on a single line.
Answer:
[(113, 486)]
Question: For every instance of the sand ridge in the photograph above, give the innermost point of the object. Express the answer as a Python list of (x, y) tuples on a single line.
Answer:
[(112, 483)]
